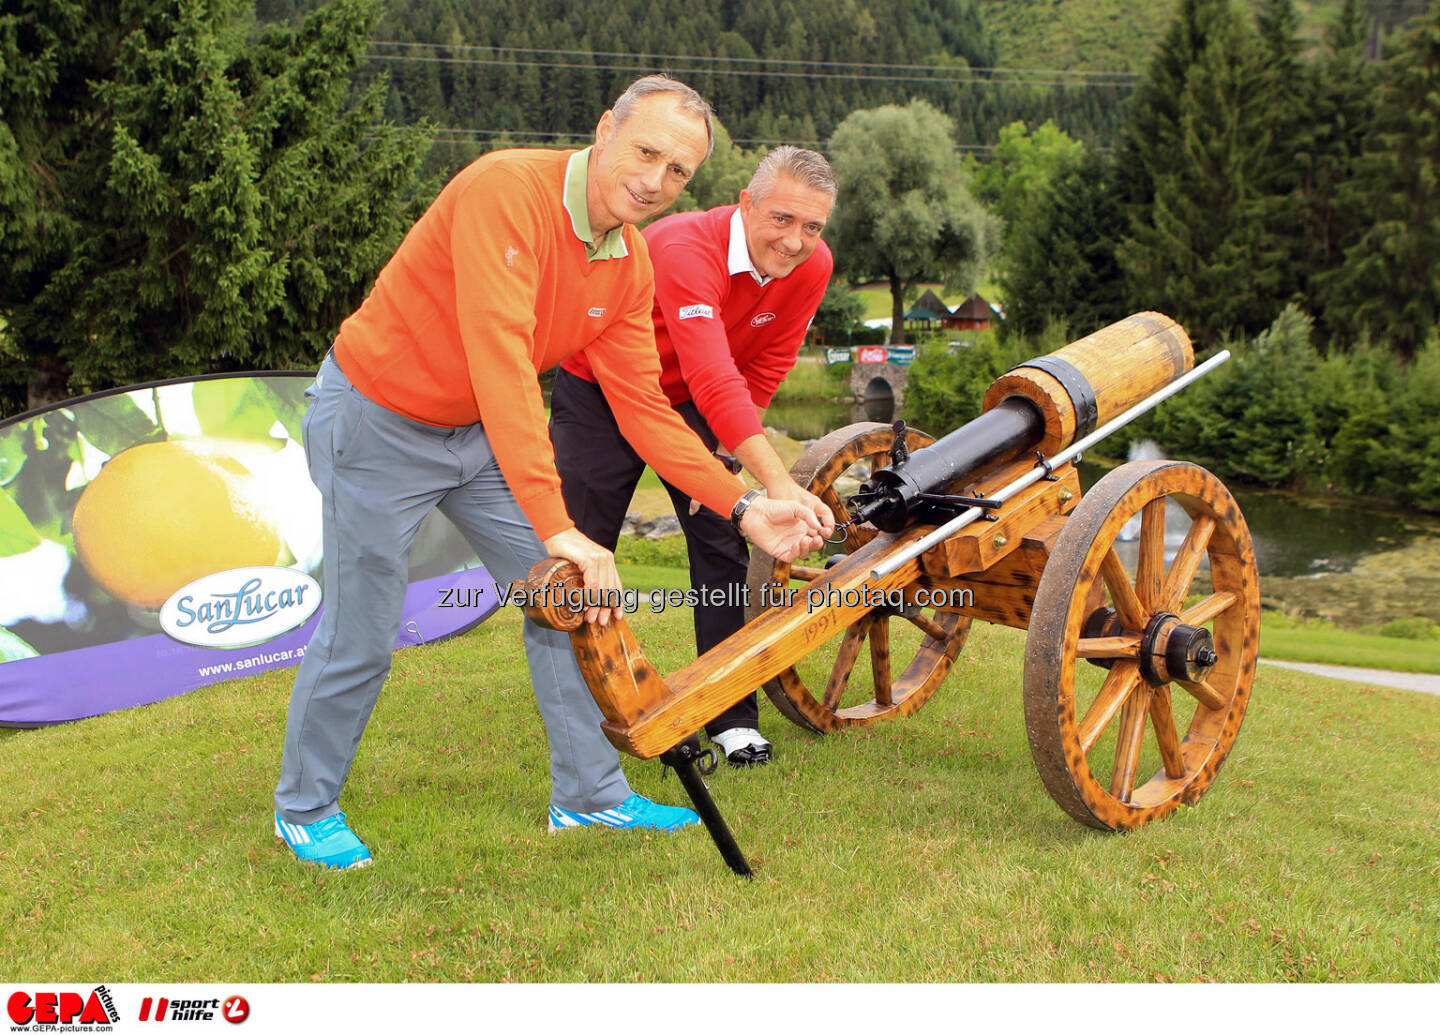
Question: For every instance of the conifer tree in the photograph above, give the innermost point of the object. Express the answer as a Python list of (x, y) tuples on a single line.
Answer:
[(1340, 111), (1202, 245), (1389, 285), (176, 198), (1062, 266)]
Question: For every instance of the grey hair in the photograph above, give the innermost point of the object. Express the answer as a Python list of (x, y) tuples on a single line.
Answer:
[(808, 168), (690, 100)]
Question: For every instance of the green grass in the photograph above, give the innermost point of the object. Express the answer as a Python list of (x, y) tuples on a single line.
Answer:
[(1317, 641), (812, 378), (138, 846)]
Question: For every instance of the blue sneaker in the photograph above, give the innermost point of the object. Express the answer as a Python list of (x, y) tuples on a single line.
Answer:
[(633, 813), (327, 841)]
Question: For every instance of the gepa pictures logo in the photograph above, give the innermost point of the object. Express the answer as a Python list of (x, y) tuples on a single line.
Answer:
[(72, 1011), (240, 607)]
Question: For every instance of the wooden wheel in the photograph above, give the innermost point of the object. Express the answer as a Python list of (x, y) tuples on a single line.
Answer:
[(829, 690), (1133, 667)]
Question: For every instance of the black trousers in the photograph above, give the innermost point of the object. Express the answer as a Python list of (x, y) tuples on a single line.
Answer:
[(598, 474)]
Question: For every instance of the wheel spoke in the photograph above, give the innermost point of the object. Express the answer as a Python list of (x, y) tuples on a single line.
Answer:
[(802, 573), (1204, 693), (1115, 691), (1162, 717), (1127, 604), (1108, 647), (880, 659), (844, 663), (1127, 745), (1213, 606), (1186, 563), (1151, 565), (928, 626)]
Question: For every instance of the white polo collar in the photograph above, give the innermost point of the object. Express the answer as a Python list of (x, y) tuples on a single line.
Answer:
[(740, 252)]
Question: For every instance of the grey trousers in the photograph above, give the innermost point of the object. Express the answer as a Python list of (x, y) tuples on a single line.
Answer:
[(379, 474)]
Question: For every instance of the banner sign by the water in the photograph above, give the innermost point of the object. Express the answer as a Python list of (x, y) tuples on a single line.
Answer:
[(157, 539), (903, 355), (870, 354)]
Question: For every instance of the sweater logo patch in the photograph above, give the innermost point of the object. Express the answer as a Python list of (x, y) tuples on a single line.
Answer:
[(596, 310), (762, 319), (510, 254), (690, 312)]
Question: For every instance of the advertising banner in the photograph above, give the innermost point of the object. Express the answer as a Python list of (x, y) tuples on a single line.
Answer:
[(902, 355), (871, 353), (161, 538), (837, 355)]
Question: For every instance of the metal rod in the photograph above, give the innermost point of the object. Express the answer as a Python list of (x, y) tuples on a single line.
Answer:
[(1041, 470), (682, 758)]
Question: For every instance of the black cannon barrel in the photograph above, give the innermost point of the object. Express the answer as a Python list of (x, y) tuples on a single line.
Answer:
[(891, 498)]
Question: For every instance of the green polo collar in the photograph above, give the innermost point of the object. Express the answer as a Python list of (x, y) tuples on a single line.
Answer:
[(612, 244)]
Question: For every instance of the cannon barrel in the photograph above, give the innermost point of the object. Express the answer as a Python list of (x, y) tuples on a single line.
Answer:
[(1043, 404)]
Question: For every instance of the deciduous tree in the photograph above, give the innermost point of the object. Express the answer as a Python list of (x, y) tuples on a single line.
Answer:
[(905, 213)]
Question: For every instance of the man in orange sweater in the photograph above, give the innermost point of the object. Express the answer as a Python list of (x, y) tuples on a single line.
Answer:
[(430, 399)]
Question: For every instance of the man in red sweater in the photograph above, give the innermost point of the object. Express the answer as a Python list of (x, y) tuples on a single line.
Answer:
[(430, 399), (735, 290)]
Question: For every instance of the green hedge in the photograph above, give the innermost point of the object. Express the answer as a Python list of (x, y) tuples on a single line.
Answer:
[(1361, 423)]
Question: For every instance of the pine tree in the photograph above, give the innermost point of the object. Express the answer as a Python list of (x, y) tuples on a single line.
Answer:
[(1341, 109), (1062, 264), (1203, 246), (175, 198), (1389, 285)]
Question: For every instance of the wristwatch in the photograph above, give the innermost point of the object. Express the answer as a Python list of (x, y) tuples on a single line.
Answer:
[(741, 506)]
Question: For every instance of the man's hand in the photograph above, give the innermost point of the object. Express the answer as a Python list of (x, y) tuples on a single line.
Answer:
[(784, 529), (597, 568), (785, 489)]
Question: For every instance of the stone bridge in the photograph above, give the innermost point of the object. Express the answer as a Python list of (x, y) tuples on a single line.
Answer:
[(878, 379)]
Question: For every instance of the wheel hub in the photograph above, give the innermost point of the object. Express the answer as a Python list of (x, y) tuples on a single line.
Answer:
[(1170, 649)]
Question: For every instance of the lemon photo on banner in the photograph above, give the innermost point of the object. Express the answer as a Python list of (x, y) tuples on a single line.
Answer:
[(162, 514)]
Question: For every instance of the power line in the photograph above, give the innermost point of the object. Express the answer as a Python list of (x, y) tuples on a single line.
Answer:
[(871, 66), (738, 73), (464, 135)]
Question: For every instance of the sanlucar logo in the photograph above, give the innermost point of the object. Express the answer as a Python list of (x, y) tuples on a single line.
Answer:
[(240, 607)]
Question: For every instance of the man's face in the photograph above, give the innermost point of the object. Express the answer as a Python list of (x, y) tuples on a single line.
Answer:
[(639, 167), (782, 230)]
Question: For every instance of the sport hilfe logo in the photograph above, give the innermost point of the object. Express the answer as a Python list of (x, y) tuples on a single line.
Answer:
[(50, 1008), (240, 607), (234, 1009)]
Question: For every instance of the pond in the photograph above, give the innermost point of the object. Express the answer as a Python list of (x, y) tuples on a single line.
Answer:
[(1293, 534)]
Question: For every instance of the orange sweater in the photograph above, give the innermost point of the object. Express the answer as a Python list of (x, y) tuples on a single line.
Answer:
[(490, 287)]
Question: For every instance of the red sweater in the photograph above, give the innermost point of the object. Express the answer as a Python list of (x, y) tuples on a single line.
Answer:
[(490, 287), (725, 341)]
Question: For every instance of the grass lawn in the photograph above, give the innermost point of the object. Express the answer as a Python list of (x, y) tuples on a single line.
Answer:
[(139, 846), (1320, 642)]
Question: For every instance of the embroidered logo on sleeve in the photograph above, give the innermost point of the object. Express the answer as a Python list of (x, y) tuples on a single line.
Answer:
[(596, 310), (762, 319), (690, 312), (510, 254)]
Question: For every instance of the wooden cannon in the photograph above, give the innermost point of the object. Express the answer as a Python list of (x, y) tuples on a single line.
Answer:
[(1141, 600)]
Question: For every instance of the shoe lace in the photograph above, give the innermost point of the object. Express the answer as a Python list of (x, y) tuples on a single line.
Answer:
[(329, 826)]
